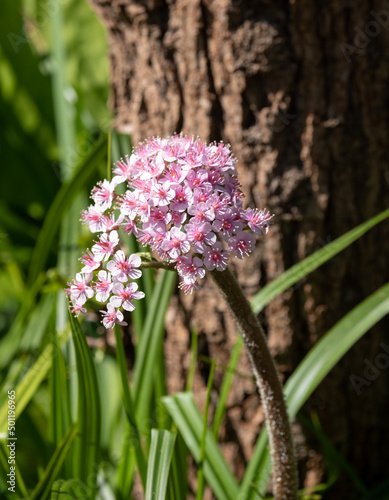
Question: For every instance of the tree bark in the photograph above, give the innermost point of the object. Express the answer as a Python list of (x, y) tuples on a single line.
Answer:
[(300, 91)]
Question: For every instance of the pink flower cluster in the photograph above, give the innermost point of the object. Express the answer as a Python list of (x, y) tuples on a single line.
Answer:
[(183, 200)]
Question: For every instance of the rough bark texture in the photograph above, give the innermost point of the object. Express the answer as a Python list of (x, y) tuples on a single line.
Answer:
[(307, 116)]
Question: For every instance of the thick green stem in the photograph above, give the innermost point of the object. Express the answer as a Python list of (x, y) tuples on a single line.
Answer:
[(266, 375)]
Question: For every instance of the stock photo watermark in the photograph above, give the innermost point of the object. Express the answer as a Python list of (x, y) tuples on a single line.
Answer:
[(364, 36), (11, 444), (372, 370), (47, 12)]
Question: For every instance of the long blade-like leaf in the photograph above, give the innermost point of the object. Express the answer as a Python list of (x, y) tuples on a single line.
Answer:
[(161, 451), (310, 372), (27, 387), (82, 174), (187, 417), (150, 343), (9, 344), (42, 489), (200, 471), (225, 389), (309, 264), (129, 408), (89, 411)]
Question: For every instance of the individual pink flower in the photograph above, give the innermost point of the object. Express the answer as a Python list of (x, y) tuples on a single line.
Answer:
[(103, 194), (154, 168), (258, 221), (123, 296), (110, 222), (202, 211), (182, 198), (123, 169), (200, 235), (129, 226), (215, 257), (243, 243), (122, 268), (177, 243), (80, 290), (104, 248), (159, 216), (226, 223), (90, 264), (202, 195), (77, 309), (129, 204), (174, 174), (196, 179), (93, 216), (161, 194), (191, 268), (104, 286), (112, 316)]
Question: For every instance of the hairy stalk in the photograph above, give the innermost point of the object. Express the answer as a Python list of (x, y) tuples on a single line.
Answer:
[(266, 375), (148, 262)]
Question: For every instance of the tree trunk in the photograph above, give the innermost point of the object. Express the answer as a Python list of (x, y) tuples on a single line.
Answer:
[(300, 91)]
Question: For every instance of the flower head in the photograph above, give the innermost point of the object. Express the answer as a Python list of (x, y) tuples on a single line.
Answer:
[(182, 198)]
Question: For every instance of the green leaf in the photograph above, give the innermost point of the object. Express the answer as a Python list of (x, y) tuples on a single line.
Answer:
[(151, 342), (187, 417), (149, 348), (200, 471), (337, 341), (9, 345), (309, 264), (89, 411), (42, 489), (311, 371), (27, 387), (60, 402), (82, 174), (69, 489), (160, 456), (130, 408), (38, 322), (178, 482), (225, 388)]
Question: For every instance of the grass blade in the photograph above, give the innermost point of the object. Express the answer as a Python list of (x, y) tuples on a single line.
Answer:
[(130, 408), (310, 372), (9, 345), (309, 264), (60, 404), (83, 172), (42, 489), (187, 417), (179, 476), (225, 388), (27, 387), (200, 472), (89, 411), (151, 342), (161, 451)]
